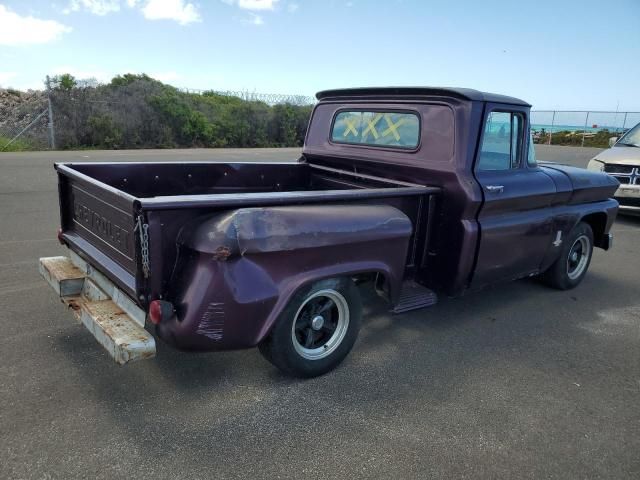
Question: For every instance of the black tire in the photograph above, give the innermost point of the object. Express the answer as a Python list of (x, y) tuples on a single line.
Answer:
[(574, 260), (326, 342)]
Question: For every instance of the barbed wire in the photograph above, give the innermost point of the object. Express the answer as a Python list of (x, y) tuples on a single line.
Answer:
[(268, 98)]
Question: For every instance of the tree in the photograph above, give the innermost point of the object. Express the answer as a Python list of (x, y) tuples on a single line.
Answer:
[(129, 78), (65, 82)]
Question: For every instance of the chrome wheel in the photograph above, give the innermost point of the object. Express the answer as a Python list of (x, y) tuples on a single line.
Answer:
[(578, 257), (320, 324)]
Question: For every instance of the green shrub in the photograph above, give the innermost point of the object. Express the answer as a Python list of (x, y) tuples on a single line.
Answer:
[(128, 79), (136, 111), (19, 145), (599, 139), (103, 133)]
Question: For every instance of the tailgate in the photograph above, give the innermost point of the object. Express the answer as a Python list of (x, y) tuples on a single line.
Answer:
[(98, 222)]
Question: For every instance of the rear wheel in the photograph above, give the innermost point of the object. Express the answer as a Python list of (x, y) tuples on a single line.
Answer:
[(316, 331), (572, 265)]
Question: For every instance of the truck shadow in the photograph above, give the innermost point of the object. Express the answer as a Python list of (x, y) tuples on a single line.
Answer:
[(402, 366), (521, 302)]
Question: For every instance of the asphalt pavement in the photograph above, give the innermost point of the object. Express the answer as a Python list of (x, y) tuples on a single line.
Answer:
[(517, 381)]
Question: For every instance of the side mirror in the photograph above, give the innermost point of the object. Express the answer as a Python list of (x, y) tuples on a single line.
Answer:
[(612, 141)]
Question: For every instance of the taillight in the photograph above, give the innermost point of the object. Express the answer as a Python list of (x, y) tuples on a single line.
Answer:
[(160, 310), (60, 237)]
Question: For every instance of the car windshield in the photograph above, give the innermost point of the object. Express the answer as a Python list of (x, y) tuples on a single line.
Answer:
[(631, 138)]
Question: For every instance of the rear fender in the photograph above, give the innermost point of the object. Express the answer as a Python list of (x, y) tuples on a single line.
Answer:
[(242, 267)]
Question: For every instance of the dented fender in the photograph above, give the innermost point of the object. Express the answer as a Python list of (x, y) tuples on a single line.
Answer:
[(277, 229), (237, 270)]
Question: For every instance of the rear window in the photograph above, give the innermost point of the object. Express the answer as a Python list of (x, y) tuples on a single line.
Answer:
[(379, 128)]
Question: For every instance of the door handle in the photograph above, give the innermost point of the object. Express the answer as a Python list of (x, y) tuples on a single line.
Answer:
[(495, 188)]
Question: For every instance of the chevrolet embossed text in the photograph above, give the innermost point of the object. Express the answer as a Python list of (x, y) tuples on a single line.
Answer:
[(101, 225)]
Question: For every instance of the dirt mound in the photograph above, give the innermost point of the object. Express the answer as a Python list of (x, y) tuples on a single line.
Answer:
[(19, 109)]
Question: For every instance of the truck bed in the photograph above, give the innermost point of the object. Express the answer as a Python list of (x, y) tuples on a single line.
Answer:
[(105, 206)]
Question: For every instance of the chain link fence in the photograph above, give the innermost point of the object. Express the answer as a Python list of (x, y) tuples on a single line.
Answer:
[(139, 112), (90, 114), (136, 111), (580, 128), (24, 120)]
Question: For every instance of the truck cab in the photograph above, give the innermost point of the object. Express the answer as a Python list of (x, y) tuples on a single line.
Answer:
[(497, 213)]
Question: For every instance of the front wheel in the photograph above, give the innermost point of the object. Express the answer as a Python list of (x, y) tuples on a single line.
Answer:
[(316, 330), (572, 265)]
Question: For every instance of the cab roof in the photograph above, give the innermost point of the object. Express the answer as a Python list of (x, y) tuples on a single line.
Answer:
[(395, 92)]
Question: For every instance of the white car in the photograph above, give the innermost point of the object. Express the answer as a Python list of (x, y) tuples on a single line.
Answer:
[(622, 161)]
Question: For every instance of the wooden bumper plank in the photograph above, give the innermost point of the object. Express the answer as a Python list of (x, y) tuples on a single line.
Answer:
[(117, 332), (65, 278), (120, 334)]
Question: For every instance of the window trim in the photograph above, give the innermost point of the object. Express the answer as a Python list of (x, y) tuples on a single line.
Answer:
[(521, 164), (519, 147), (394, 148), (530, 146)]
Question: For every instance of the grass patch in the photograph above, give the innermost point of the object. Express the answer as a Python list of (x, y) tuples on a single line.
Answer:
[(18, 145)]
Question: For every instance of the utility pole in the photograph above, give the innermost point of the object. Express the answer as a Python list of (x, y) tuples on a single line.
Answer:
[(52, 138)]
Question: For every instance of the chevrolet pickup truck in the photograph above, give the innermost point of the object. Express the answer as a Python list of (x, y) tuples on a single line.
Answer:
[(413, 192)]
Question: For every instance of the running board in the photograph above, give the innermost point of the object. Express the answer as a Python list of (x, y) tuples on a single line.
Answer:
[(414, 296)]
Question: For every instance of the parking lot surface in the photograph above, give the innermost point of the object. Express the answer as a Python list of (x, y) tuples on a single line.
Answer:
[(518, 381)]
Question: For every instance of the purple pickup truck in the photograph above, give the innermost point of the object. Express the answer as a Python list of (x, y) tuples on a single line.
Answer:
[(413, 192)]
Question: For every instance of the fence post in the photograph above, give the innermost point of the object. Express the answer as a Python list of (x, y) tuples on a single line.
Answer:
[(553, 120), (586, 119), (52, 137)]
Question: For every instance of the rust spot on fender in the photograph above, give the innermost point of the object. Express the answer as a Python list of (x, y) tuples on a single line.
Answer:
[(222, 253)]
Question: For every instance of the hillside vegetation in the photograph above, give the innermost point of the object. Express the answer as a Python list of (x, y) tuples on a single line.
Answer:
[(136, 111), (598, 139)]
